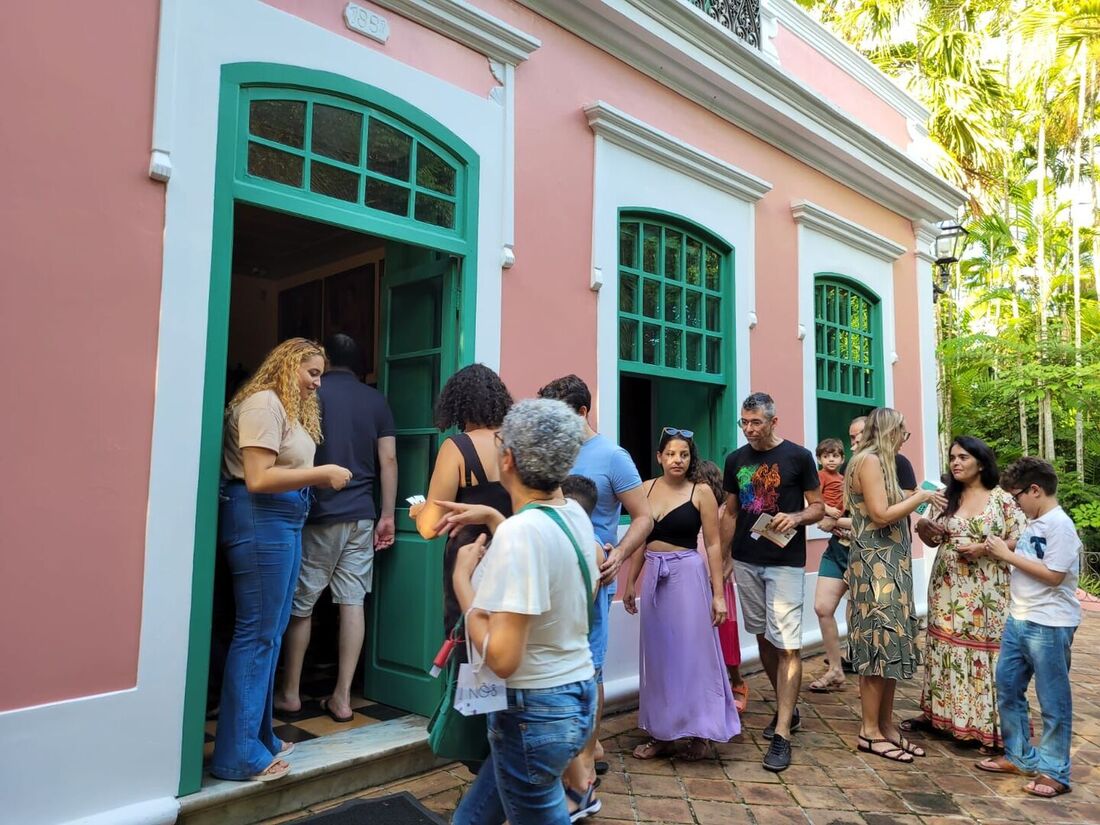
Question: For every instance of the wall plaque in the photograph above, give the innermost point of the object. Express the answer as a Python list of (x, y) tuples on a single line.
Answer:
[(366, 22)]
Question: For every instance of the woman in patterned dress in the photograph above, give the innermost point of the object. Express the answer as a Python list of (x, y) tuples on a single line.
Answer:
[(968, 600), (882, 625)]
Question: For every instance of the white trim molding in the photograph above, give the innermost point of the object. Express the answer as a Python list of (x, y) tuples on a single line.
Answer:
[(925, 235), (468, 25), (845, 231), (680, 47), (623, 130), (795, 19)]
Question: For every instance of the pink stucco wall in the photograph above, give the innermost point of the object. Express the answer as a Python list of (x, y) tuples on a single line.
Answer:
[(409, 42), (800, 59), (81, 225)]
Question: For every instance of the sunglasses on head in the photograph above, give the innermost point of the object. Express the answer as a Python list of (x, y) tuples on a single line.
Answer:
[(675, 431)]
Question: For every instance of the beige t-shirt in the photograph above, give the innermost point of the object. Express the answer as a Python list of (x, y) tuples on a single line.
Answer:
[(261, 421)]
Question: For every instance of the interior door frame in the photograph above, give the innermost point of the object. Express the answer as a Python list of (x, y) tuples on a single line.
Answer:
[(228, 191)]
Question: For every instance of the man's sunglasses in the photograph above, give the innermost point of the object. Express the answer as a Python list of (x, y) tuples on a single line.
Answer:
[(675, 431)]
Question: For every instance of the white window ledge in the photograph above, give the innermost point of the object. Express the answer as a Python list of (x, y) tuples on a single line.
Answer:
[(468, 25), (845, 231)]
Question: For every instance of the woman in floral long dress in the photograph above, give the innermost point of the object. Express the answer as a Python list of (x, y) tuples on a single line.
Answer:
[(968, 599)]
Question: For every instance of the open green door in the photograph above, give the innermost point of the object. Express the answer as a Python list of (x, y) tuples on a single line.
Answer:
[(419, 338)]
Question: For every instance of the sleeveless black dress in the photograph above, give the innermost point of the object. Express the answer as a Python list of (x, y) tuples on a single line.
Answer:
[(491, 493)]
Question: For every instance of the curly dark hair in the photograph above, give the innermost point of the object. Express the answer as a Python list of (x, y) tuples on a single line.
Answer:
[(473, 395), (987, 462), (1023, 472), (571, 389)]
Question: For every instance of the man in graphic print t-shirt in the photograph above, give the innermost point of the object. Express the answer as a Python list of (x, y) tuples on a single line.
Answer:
[(774, 476)]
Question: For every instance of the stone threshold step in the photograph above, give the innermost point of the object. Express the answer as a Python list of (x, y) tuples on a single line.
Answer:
[(321, 769)]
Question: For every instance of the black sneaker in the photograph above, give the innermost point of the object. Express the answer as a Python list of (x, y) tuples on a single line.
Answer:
[(778, 757), (796, 723)]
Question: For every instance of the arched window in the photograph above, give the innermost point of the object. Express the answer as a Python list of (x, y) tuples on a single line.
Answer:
[(343, 152), (676, 358), (848, 345)]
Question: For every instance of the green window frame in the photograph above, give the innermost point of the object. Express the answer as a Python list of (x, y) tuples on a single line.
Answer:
[(675, 300), (343, 153), (847, 342)]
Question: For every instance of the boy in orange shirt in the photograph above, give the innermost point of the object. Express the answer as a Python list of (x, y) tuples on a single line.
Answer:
[(830, 455)]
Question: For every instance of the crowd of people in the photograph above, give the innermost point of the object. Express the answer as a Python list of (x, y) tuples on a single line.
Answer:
[(529, 498)]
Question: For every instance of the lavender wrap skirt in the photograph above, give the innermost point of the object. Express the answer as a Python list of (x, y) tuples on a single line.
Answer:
[(684, 690)]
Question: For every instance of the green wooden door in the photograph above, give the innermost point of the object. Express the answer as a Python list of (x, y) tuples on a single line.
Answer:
[(419, 332)]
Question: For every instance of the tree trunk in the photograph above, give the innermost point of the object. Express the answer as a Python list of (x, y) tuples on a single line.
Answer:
[(1075, 215), (1025, 450), (1046, 419)]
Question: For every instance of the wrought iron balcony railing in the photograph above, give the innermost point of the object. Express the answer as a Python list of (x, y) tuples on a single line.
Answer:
[(742, 17)]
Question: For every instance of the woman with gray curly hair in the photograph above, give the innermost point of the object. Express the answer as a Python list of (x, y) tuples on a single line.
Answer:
[(526, 599)]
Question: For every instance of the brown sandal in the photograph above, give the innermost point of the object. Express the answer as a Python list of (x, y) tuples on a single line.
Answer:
[(1044, 781), (894, 754), (653, 748), (916, 723), (1000, 764), (696, 750), (908, 747), (823, 685)]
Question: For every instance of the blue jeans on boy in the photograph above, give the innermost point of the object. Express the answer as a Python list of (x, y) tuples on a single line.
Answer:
[(261, 537), (1029, 649), (531, 744)]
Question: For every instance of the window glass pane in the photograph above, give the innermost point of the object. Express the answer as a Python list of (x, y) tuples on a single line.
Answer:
[(283, 121), (857, 348), (672, 348), (628, 293), (388, 150), (714, 314), (281, 167), (651, 343), (819, 303), (628, 245), (694, 262), (387, 196), (831, 383), (714, 354), (673, 249), (830, 342), (821, 373), (713, 270), (693, 352), (334, 182), (673, 306), (867, 350), (693, 315), (651, 298), (843, 307), (830, 303), (845, 379), (819, 338), (651, 242), (432, 172), (434, 211), (337, 133), (628, 340)]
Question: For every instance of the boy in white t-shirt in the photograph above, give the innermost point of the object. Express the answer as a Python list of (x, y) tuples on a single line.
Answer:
[(1044, 614)]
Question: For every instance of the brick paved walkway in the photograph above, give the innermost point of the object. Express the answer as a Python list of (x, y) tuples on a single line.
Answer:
[(828, 782)]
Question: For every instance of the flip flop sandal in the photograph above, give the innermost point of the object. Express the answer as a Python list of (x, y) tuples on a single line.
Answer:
[(821, 686), (908, 747), (1044, 781), (653, 748), (1000, 764), (338, 719), (587, 803), (286, 749), (894, 754), (268, 775)]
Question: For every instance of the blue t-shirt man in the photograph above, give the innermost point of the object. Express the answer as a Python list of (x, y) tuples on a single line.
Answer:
[(613, 471)]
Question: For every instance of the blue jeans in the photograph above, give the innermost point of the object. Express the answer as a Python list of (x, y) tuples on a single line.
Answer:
[(1029, 649), (261, 537), (531, 744)]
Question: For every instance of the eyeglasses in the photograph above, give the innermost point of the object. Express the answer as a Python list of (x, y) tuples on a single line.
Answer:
[(905, 436), (499, 439), (674, 431), (1018, 493)]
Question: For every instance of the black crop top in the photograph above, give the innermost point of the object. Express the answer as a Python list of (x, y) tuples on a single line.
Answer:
[(679, 526)]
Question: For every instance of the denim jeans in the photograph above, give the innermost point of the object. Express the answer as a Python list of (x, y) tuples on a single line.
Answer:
[(531, 744), (1029, 649), (261, 537)]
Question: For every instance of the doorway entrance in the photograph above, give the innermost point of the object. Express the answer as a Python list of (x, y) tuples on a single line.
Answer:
[(338, 207)]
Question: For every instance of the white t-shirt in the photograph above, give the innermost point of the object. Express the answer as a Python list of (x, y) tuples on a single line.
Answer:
[(531, 568), (1052, 539)]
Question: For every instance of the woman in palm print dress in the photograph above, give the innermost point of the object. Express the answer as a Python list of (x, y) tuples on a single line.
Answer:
[(882, 622), (968, 599)]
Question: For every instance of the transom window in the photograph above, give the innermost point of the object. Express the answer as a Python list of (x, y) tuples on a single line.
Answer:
[(336, 149), (671, 301), (845, 328)]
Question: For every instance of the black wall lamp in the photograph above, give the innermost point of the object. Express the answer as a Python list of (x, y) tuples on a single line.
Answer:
[(948, 248)]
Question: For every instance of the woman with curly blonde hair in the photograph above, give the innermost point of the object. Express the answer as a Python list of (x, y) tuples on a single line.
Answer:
[(272, 427), (882, 622)]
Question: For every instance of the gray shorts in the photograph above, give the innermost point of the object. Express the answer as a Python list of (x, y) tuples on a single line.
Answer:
[(340, 555), (771, 602)]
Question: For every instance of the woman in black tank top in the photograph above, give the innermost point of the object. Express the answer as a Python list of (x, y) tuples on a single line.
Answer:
[(679, 634), (475, 400)]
